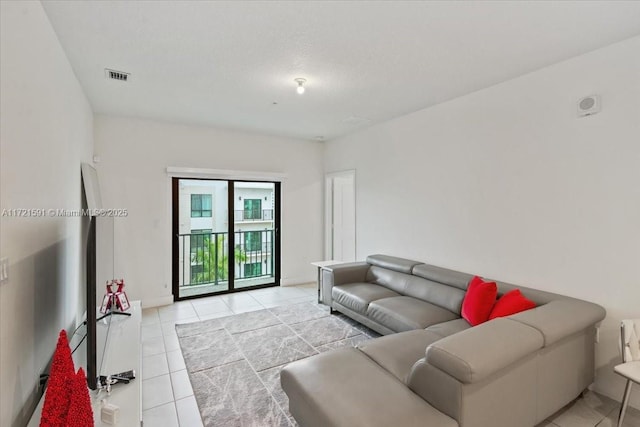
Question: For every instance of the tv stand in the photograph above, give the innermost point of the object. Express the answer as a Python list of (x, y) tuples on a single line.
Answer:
[(111, 313), (122, 353)]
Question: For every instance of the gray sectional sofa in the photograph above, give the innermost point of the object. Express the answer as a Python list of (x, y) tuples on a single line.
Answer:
[(431, 368)]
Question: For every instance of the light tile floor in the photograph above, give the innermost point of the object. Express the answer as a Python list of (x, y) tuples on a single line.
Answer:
[(168, 399), (167, 396)]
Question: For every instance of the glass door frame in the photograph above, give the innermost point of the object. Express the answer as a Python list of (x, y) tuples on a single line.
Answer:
[(175, 237)]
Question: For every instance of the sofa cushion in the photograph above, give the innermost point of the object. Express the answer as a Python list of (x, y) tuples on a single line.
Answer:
[(402, 313), (451, 327), (390, 279), (397, 353), (357, 296), (344, 388), (478, 301), (444, 296), (511, 303)]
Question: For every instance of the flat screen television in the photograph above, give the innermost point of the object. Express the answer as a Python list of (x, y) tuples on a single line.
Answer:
[(99, 266)]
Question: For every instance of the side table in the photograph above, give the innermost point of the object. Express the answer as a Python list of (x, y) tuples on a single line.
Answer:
[(321, 265)]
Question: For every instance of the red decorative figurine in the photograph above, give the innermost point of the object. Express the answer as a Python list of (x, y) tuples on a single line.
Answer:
[(57, 396)]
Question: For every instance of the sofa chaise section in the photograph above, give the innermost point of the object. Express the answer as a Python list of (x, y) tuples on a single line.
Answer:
[(345, 388), (484, 376)]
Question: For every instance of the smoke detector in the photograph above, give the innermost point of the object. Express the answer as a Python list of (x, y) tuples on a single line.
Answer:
[(120, 76), (589, 105)]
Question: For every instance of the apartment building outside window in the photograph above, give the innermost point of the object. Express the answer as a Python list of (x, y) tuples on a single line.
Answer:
[(199, 242), (201, 206), (252, 241), (253, 269), (252, 209)]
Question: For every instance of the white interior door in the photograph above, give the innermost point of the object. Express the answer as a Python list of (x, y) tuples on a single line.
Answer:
[(340, 217)]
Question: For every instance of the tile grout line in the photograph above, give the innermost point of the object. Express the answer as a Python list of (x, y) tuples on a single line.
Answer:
[(157, 376), (175, 400), (612, 412), (161, 404), (164, 342)]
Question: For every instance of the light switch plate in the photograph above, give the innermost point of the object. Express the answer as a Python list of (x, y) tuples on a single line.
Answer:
[(4, 270)]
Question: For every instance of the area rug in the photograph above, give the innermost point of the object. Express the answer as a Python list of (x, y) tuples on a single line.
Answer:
[(234, 362)]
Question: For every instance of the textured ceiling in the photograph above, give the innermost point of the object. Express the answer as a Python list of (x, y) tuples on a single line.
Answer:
[(224, 64)]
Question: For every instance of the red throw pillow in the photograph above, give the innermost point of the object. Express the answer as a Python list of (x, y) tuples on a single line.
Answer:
[(478, 301), (511, 303)]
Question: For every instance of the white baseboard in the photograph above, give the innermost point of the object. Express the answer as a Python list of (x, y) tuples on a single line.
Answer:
[(168, 299), (157, 302), (293, 281)]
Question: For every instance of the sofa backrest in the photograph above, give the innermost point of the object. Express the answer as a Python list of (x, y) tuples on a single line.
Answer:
[(443, 275), (535, 295), (445, 288), (393, 263), (391, 279), (438, 286), (390, 272)]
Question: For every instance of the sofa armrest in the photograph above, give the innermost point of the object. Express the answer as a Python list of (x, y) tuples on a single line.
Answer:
[(341, 274), (350, 272), (478, 352), (561, 318)]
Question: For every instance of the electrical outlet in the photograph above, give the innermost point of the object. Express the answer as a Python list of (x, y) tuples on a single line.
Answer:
[(4, 270)]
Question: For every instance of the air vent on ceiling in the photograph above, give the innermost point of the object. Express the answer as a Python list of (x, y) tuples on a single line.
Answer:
[(116, 75)]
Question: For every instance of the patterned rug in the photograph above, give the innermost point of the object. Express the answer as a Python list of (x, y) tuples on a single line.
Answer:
[(234, 362)]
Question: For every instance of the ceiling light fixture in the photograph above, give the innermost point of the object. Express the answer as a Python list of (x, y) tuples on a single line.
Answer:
[(301, 82)]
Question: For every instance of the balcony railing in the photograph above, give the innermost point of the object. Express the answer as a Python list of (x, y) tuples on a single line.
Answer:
[(253, 215), (204, 257)]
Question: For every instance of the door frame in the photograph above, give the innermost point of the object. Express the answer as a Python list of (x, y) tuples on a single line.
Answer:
[(328, 212), (175, 243)]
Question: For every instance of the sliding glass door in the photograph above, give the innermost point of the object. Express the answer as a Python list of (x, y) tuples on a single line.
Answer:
[(254, 234), (225, 236)]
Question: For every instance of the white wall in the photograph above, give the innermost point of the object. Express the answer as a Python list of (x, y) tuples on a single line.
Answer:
[(134, 156), (45, 133), (508, 183)]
